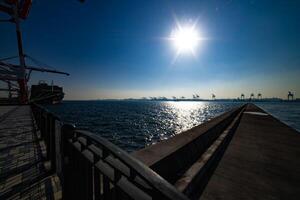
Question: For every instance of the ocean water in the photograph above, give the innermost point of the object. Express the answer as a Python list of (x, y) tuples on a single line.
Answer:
[(133, 125), (287, 112)]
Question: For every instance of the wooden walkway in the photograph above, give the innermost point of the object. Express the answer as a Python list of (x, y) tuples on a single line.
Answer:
[(23, 172), (261, 162)]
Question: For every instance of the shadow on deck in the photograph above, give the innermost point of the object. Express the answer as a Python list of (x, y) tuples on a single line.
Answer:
[(24, 174)]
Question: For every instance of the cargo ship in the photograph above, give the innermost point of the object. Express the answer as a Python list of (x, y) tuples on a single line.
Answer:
[(43, 93)]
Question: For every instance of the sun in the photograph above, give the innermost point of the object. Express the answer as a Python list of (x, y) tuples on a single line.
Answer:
[(186, 38)]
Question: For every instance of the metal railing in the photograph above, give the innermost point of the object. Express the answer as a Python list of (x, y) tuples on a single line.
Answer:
[(91, 167)]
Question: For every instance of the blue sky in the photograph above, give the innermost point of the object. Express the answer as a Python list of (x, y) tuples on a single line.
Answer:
[(118, 50)]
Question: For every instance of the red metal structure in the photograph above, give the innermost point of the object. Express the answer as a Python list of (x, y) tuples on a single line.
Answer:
[(24, 8), (18, 10)]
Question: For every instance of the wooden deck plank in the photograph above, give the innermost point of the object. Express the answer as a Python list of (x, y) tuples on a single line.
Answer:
[(22, 171)]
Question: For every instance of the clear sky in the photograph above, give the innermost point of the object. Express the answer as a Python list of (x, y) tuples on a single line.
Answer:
[(117, 49)]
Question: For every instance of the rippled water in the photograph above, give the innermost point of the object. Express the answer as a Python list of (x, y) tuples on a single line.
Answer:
[(135, 124), (287, 112)]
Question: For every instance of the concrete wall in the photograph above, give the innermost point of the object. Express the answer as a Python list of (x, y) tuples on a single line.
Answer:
[(171, 158)]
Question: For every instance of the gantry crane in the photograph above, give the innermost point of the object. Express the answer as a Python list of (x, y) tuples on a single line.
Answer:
[(17, 76)]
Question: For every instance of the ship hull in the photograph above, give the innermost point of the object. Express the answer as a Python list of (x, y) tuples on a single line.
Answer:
[(46, 94)]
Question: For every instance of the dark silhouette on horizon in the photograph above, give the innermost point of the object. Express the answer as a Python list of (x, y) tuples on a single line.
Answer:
[(242, 96), (213, 96), (259, 96), (290, 96)]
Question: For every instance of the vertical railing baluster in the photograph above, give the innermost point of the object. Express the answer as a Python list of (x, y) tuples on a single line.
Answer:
[(75, 174), (40, 120), (42, 126), (106, 183), (87, 173), (47, 132), (106, 188), (67, 162), (83, 175), (88, 176), (97, 184), (96, 176), (115, 192), (58, 154), (52, 142)]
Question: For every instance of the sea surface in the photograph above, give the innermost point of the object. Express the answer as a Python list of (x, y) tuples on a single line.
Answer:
[(133, 125)]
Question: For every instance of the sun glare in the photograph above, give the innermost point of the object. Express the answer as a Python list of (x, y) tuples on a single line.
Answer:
[(185, 39)]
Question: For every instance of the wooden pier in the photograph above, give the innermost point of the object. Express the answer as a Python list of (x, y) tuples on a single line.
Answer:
[(242, 154), (23, 166)]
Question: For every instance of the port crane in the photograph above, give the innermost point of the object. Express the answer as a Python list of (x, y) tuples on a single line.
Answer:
[(213, 96), (290, 96), (259, 96), (16, 76)]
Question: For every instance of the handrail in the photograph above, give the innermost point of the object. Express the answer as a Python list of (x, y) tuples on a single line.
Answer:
[(33, 104), (148, 175), (102, 168)]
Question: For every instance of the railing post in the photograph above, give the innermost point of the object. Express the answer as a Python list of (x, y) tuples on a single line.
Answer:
[(106, 187), (85, 177), (97, 179), (42, 128), (48, 134), (67, 131), (58, 147), (40, 120), (52, 133)]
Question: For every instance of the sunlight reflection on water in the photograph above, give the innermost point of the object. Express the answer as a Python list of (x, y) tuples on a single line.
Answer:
[(135, 124), (186, 114)]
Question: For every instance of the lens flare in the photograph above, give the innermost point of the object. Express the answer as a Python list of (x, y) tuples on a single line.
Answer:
[(185, 39)]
